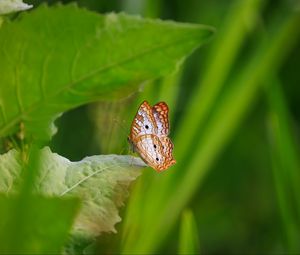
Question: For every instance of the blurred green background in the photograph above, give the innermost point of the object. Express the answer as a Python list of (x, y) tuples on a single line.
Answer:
[(235, 123)]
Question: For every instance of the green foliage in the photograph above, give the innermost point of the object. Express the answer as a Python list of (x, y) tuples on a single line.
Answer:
[(238, 176), (67, 57), (52, 60)]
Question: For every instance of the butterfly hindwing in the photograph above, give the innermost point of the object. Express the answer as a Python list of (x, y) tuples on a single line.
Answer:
[(155, 153), (167, 146), (149, 147), (160, 113)]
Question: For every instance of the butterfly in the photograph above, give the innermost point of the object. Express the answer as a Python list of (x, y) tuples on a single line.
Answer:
[(149, 135)]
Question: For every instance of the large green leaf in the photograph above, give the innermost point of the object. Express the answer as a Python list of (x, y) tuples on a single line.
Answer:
[(54, 59), (100, 181)]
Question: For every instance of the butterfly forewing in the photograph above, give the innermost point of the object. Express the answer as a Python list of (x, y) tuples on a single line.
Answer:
[(143, 122)]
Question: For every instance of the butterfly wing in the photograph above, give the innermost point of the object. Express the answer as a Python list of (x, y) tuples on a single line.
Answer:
[(148, 135), (154, 152), (160, 113), (167, 147), (148, 146), (143, 122)]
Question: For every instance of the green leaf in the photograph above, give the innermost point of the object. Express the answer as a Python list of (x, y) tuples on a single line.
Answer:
[(100, 181), (38, 225), (66, 57), (8, 6)]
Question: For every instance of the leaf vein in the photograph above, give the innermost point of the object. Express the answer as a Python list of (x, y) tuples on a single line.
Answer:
[(74, 61), (43, 74), (87, 177)]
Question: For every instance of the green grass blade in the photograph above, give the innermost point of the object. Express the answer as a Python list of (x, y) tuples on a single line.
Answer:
[(188, 238), (286, 165), (240, 20)]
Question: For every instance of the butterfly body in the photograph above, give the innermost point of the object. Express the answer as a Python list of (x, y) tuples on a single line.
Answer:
[(149, 136)]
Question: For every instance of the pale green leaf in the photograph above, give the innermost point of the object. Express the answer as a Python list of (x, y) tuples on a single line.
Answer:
[(8, 6), (10, 169), (66, 57), (100, 181)]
